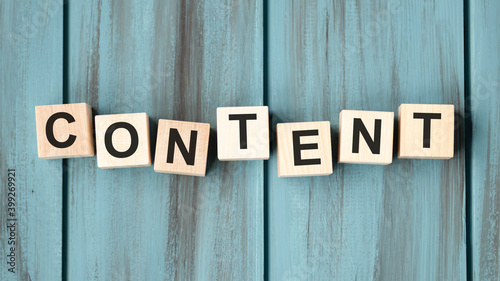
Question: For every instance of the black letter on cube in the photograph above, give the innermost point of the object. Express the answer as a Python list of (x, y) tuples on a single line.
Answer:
[(243, 126), (373, 144), (297, 147), (49, 130), (133, 136), (174, 138)]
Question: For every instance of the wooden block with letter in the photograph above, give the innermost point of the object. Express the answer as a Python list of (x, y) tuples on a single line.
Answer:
[(366, 137), (304, 149), (182, 148), (243, 133), (426, 131), (64, 131), (122, 140)]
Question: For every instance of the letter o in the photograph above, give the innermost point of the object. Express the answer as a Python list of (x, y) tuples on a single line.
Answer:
[(133, 136)]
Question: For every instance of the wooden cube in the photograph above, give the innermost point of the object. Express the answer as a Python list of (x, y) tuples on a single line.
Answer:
[(243, 133), (182, 148), (122, 140), (426, 131), (304, 149), (64, 131), (366, 137)]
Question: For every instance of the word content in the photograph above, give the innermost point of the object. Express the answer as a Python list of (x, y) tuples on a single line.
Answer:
[(426, 131)]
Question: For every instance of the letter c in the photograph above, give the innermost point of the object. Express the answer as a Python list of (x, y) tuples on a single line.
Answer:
[(49, 130)]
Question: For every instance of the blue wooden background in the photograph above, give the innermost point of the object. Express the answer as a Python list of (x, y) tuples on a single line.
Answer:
[(307, 60)]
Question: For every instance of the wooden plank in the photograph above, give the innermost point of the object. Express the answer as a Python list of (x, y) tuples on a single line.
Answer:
[(176, 60), (30, 74), (404, 221), (485, 138)]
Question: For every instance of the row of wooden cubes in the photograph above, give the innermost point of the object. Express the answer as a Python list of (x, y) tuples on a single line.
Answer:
[(304, 148)]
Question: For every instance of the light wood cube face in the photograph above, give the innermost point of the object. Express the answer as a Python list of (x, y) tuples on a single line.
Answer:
[(64, 131), (426, 131), (243, 133), (304, 149), (122, 140), (182, 148), (366, 137)]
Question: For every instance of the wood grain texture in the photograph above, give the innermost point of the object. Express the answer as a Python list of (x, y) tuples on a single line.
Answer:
[(30, 75), (74, 131), (177, 60), (413, 142), (485, 148), (372, 148), (312, 141), (122, 140), (182, 147), (404, 221), (230, 123)]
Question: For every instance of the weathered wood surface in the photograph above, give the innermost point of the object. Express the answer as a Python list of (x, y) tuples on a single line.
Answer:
[(484, 172), (405, 221), (175, 60), (31, 43), (182, 59)]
